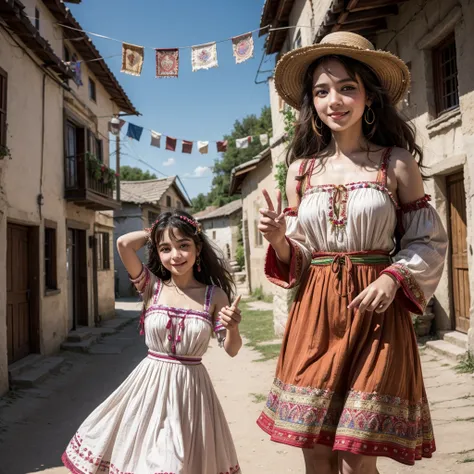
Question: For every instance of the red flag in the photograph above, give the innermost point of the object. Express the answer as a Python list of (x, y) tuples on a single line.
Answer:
[(187, 147), (171, 143), (222, 146)]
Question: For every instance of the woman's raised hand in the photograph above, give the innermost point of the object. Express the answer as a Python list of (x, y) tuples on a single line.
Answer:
[(272, 222)]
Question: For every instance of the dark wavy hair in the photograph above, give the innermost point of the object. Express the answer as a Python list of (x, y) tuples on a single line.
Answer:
[(213, 266), (389, 129)]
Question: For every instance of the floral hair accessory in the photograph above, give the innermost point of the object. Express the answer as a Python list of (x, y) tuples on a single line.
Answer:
[(192, 222)]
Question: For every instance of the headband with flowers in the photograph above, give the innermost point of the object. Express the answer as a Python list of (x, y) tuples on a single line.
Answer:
[(189, 221)]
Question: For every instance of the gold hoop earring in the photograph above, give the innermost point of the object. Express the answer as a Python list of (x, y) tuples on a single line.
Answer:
[(314, 125), (366, 116), (198, 263)]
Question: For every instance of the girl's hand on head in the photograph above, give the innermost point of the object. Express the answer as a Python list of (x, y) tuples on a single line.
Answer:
[(231, 316)]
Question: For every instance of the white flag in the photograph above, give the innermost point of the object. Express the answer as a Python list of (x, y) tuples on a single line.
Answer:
[(264, 139), (203, 147), (243, 142), (155, 139), (204, 56)]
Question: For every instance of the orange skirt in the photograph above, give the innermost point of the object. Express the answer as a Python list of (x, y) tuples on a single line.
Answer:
[(346, 380)]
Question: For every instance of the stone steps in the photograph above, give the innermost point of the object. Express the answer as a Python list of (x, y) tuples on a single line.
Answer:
[(456, 338), (32, 370), (82, 339), (446, 349)]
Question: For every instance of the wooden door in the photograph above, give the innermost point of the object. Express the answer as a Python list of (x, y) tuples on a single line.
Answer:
[(19, 324), (77, 278), (458, 242)]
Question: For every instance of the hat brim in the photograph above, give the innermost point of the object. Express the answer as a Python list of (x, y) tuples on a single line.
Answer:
[(290, 71)]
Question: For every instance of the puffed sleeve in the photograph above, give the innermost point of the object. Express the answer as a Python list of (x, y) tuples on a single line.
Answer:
[(419, 263), (289, 276)]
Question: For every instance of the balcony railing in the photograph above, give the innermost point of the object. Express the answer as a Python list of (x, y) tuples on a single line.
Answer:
[(83, 187)]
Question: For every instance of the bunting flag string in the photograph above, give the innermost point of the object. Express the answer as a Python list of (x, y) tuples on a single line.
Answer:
[(203, 56), (135, 132)]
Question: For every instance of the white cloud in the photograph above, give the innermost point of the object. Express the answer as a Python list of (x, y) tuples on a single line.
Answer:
[(200, 171), (169, 162)]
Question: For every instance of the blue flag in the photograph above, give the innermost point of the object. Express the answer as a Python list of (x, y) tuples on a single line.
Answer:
[(134, 131)]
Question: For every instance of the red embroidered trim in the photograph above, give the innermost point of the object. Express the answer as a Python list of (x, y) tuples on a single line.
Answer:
[(273, 267), (341, 219), (364, 423), (107, 467), (410, 287), (382, 174), (353, 186), (416, 205), (291, 211)]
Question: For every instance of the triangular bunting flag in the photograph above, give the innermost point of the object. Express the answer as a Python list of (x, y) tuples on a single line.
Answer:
[(204, 56), (134, 131), (222, 146), (167, 62), (171, 143), (203, 147), (243, 47), (264, 139), (132, 59), (155, 139), (187, 147)]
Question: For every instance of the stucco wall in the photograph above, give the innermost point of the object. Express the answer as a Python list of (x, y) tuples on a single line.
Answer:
[(447, 141), (127, 219), (20, 180), (104, 222), (255, 181)]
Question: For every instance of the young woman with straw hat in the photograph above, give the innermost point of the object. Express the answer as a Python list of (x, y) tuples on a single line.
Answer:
[(366, 248)]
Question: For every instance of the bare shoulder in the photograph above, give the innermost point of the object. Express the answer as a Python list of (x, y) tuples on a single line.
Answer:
[(407, 173), (220, 298), (402, 161)]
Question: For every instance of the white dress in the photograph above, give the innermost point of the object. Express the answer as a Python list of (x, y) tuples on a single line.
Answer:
[(165, 418)]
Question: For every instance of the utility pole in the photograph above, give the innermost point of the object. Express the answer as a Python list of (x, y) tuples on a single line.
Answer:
[(117, 152)]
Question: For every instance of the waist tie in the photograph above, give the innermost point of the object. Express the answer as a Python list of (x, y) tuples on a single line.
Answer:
[(338, 261), (174, 359)]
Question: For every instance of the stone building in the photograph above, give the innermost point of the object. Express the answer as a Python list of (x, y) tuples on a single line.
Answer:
[(56, 185), (222, 227)]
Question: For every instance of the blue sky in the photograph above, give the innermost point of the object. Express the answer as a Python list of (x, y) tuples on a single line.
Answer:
[(201, 105)]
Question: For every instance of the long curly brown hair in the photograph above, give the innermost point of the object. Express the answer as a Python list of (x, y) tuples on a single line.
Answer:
[(389, 129), (212, 265)]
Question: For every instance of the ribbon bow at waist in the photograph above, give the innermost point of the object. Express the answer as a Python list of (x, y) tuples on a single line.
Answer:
[(339, 261)]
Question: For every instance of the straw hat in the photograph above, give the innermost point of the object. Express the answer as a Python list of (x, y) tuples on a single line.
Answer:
[(290, 71)]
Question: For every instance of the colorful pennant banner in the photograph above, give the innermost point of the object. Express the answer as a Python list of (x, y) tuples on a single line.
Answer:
[(134, 132)]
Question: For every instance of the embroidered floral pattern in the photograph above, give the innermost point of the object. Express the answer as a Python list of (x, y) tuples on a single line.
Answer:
[(291, 211), (416, 205), (410, 286), (81, 460), (353, 186), (365, 423)]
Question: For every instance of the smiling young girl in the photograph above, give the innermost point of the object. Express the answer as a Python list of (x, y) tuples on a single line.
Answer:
[(348, 385), (166, 418)]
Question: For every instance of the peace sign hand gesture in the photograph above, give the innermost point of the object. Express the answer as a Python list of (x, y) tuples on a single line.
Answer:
[(272, 222)]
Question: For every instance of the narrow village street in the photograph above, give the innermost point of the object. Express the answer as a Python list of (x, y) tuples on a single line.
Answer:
[(37, 423)]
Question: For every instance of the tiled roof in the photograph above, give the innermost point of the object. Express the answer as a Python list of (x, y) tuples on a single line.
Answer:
[(149, 191), (88, 52), (223, 211)]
